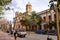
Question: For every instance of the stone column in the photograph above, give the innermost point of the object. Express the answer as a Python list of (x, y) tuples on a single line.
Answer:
[(20, 26), (52, 15), (47, 18), (42, 27), (37, 27), (24, 27)]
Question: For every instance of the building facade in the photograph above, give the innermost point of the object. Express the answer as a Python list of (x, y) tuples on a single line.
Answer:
[(4, 24), (47, 16), (18, 17)]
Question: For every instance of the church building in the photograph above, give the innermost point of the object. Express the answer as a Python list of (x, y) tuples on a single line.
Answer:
[(46, 15)]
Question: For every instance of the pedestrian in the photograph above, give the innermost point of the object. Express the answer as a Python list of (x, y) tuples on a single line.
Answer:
[(15, 34)]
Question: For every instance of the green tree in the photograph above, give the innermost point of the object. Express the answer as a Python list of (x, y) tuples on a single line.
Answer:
[(36, 19), (2, 4), (26, 20), (31, 20), (52, 24)]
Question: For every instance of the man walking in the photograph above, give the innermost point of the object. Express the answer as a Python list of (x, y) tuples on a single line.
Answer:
[(15, 34)]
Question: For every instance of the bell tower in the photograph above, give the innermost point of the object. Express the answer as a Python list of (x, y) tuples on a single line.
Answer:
[(28, 8)]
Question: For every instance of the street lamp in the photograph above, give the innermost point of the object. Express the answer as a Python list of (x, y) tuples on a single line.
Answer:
[(53, 4)]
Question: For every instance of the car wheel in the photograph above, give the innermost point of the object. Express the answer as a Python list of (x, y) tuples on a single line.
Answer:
[(24, 36), (18, 35)]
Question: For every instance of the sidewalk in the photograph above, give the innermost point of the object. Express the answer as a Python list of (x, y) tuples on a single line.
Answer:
[(5, 36), (29, 32)]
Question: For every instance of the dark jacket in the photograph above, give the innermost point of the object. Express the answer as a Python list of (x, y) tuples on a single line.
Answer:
[(15, 32)]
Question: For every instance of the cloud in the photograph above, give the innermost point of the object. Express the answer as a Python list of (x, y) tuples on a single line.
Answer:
[(9, 15), (37, 5)]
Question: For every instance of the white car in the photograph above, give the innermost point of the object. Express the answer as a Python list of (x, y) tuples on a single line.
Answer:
[(21, 33)]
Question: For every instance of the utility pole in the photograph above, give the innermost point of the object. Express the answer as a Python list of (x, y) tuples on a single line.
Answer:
[(54, 3), (57, 22)]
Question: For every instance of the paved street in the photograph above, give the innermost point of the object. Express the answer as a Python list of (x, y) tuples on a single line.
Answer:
[(37, 37), (6, 36)]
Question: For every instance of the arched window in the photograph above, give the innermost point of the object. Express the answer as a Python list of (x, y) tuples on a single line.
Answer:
[(44, 19), (50, 19)]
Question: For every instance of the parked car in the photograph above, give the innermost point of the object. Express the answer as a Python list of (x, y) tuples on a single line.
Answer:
[(52, 32), (21, 33), (9, 31), (41, 31)]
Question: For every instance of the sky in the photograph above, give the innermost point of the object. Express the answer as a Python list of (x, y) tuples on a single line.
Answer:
[(20, 5)]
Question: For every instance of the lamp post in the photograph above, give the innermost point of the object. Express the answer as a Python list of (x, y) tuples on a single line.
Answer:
[(53, 4)]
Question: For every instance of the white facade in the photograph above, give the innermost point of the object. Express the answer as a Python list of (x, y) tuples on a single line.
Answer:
[(50, 14)]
